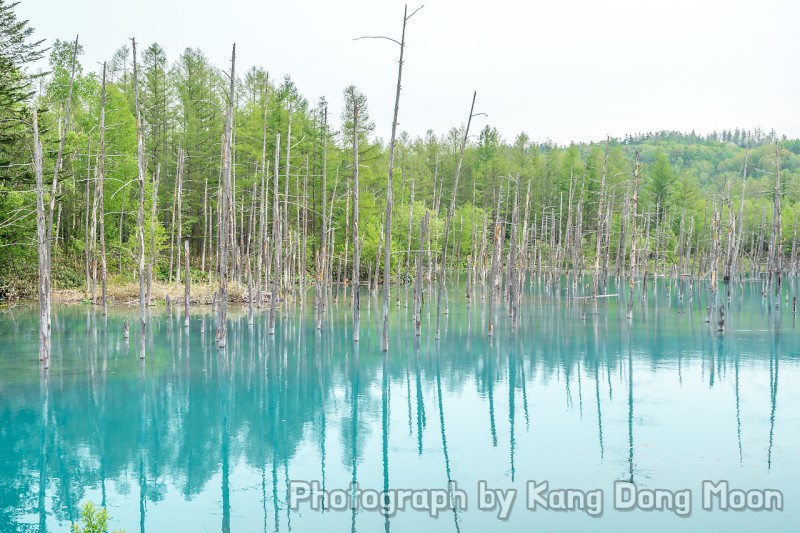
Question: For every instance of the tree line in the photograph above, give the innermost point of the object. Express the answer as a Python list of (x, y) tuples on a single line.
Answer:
[(154, 170)]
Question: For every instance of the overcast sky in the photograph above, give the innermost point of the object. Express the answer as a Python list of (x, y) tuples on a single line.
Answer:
[(561, 69)]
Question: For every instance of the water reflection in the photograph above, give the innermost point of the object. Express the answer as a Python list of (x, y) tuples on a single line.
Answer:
[(197, 438)]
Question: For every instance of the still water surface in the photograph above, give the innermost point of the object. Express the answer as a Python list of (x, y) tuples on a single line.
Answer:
[(198, 439)]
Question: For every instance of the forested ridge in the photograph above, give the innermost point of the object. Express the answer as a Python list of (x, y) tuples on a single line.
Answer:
[(684, 177)]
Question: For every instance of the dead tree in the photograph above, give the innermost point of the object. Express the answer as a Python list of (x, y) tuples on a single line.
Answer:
[(140, 217), (776, 241), (276, 239), (100, 194), (41, 237), (323, 247), (356, 241), (600, 230), (179, 214), (152, 236), (423, 230), (187, 285), (408, 247), (387, 264), (450, 211), (224, 233), (634, 201)]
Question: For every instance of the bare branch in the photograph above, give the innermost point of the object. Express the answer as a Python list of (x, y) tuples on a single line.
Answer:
[(415, 12), (378, 37)]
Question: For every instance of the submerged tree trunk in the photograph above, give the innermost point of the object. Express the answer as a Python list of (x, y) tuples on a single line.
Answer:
[(187, 285), (100, 194), (387, 262), (322, 264), (356, 242), (449, 219), (41, 238), (600, 230), (423, 230), (140, 217), (634, 201), (277, 245), (224, 233)]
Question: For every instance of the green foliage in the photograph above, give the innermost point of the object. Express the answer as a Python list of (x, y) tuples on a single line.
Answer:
[(683, 175), (93, 519)]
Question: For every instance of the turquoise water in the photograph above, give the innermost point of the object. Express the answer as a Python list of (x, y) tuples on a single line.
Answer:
[(198, 439)]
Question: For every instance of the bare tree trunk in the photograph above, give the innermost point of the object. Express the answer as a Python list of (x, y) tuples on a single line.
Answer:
[(87, 245), (262, 226), (356, 242), (41, 237), (634, 201), (172, 225), (495, 267), (57, 169), (276, 239), (408, 247), (374, 284), (387, 263), (600, 230), (224, 233), (776, 244), (449, 219), (100, 194), (323, 246), (423, 230), (140, 217), (187, 285), (153, 236), (741, 213), (179, 214)]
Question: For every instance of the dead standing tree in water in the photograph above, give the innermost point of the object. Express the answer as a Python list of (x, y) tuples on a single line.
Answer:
[(387, 262), (277, 244), (634, 236), (450, 211), (101, 214), (41, 237), (321, 254), (775, 262), (44, 230), (140, 217), (225, 193)]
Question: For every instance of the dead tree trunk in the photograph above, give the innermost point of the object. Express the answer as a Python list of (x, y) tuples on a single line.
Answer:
[(187, 285), (356, 241), (387, 263), (41, 237), (423, 230), (495, 267), (179, 214), (276, 239), (153, 215), (323, 247), (224, 233), (100, 194), (140, 217), (600, 230), (57, 169), (634, 201), (449, 219), (408, 247), (776, 242)]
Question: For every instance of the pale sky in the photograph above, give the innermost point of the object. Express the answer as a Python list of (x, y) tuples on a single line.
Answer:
[(562, 69)]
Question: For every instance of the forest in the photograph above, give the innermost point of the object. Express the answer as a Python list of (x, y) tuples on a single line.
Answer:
[(146, 161)]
